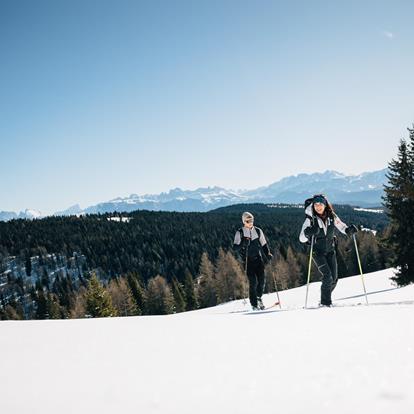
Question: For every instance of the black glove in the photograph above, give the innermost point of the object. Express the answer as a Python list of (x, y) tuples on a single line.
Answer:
[(351, 230), (312, 231), (266, 251)]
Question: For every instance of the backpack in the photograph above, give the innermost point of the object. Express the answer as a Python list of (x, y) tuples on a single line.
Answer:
[(308, 202)]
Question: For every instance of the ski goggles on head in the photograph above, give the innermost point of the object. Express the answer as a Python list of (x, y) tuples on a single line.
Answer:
[(320, 199)]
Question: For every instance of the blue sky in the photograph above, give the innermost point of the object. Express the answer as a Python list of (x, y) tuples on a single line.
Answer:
[(106, 98)]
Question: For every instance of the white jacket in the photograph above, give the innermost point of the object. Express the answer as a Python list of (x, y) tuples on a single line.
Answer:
[(339, 224)]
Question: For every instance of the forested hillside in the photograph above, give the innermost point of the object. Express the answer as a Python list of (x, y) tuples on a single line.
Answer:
[(148, 244)]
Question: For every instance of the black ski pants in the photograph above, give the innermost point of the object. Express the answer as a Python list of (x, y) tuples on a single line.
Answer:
[(255, 274), (328, 268)]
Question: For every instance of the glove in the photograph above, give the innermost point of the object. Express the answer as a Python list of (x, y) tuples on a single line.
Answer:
[(312, 231), (267, 252), (351, 230)]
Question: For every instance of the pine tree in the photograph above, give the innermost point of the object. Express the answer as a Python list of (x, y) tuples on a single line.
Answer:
[(138, 292), (179, 296), (98, 300), (53, 308), (12, 313), (206, 283), (122, 299), (231, 283), (28, 264), (294, 269), (276, 274), (282, 274), (160, 300), (78, 309), (190, 295), (41, 306), (369, 252), (399, 201), (45, 281)]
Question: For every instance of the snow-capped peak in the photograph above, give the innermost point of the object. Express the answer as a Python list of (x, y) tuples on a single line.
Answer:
[(30, 214)]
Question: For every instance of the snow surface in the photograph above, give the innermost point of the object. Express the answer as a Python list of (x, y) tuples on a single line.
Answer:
[(369, 210), (346, 359)]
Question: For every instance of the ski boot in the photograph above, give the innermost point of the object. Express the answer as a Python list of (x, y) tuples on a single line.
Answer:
[(260, 304), (325, 305)]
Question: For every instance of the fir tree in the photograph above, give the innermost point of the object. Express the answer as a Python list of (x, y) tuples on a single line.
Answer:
[(399, 201), (98, 300), (160, 300), (231, 283), (178, 293), (12, 313), (277, 271), (294, 269), (206, 283), (41, 306), (28, 264), (53, 308), (45, 281), (78, 309), (122, 299), (138, 292), (272, 279), (369, 252), (190, 295)]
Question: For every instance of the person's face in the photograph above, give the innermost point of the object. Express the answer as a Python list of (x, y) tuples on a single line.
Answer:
[(248, 223), (319, 208)]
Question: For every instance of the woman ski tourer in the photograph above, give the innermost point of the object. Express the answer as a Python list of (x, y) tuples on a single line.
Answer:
[(320, 224), (251, 244)]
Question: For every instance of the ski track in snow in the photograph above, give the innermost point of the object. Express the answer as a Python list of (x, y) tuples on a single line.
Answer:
[(347, 359)]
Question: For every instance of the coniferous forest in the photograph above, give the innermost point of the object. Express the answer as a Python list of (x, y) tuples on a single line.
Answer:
[(399, 201), (159, 262)]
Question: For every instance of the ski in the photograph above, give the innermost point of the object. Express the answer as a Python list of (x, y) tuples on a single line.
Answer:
[(273, 306)]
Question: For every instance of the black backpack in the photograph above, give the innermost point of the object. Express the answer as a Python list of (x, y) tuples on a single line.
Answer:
[(308, 202)]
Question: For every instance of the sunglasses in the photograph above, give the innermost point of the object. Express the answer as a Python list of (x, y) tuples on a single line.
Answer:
[(248, 221)]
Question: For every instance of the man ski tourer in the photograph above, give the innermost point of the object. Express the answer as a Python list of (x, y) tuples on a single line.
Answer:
[(251, 244), (319, 227)]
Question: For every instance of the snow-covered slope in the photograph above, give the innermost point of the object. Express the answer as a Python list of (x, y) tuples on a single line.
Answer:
[(347, 359)]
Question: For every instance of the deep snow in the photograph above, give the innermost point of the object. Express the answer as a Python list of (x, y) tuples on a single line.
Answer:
[(347, 359)]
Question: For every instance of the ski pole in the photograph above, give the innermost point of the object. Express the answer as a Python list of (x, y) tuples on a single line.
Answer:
[(277, 291), (245, 272), (360, 267), (309, 271)]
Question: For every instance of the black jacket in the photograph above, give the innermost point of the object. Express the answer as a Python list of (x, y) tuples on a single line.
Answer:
[(251, 242), (324, 241)]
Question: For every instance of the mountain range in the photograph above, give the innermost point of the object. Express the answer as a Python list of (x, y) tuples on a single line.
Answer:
[(363, 190)]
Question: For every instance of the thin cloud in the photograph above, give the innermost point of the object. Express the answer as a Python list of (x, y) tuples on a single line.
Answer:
[(390, 35)]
